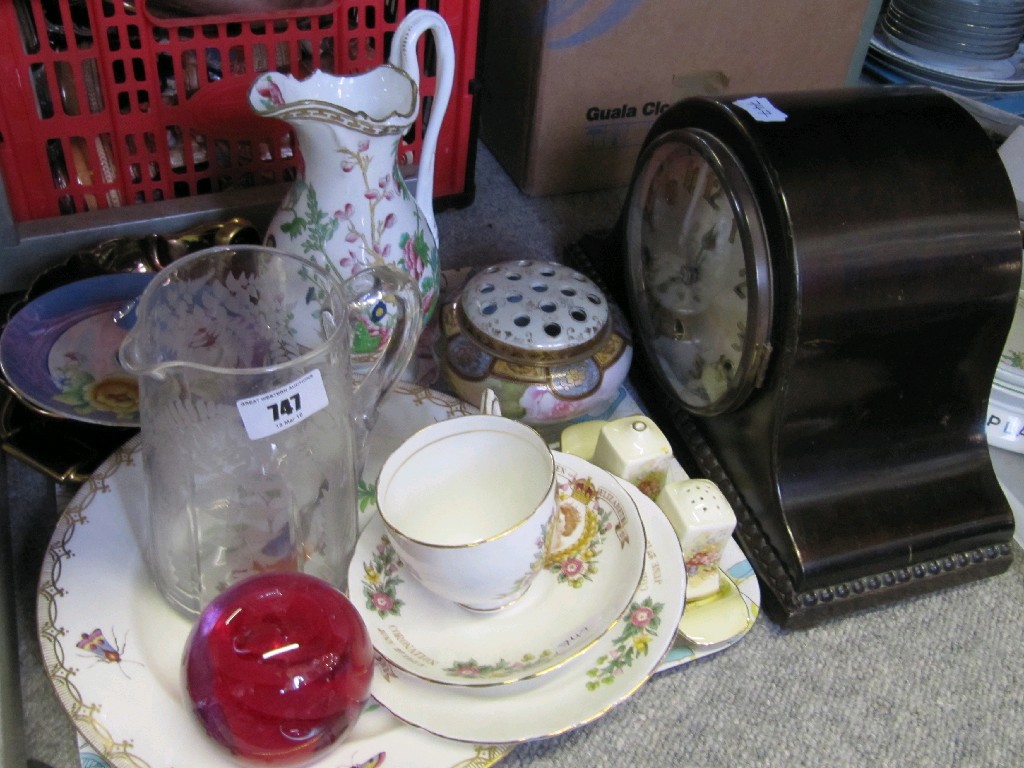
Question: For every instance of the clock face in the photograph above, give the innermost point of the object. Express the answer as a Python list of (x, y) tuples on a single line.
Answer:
[(698, 270)]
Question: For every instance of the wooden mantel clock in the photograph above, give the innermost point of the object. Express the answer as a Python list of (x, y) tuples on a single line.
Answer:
[(820, 285)]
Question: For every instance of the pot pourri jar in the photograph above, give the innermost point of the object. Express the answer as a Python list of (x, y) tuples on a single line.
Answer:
[(542, 336)]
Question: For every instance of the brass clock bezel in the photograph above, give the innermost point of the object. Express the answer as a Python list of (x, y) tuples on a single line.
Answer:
[(756, 342)]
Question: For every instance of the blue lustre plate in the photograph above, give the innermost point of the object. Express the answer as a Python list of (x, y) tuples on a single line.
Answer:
[(58, 353)]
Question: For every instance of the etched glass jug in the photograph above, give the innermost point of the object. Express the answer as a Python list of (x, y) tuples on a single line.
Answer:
[(252, 427)]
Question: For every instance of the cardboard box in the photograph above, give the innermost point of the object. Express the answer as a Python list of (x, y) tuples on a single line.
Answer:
[(571, 89)]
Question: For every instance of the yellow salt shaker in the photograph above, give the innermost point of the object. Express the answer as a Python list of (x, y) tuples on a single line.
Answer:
[(704, 521), (632, 448)]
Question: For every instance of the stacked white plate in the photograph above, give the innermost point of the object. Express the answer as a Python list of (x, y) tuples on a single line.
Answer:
[(591, 629), (968, 48), (985, 30)]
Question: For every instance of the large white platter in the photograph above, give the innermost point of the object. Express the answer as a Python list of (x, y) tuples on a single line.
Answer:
[(125, 697)]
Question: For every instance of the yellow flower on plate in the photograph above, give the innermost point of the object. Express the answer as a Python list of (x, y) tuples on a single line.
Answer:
[(118, 394), (641, 642)]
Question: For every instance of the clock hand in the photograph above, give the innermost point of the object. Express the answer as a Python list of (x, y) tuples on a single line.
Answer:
[(708, 241), (691, 262), (691, 208), (691, 270)]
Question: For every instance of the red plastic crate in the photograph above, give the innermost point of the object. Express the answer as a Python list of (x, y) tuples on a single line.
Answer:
[(111, 103)]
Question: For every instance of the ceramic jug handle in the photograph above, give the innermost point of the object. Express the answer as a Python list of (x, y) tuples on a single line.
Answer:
[(366, 289), (403, 56)]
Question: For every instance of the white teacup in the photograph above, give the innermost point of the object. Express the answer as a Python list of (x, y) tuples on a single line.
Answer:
[(470, 507)]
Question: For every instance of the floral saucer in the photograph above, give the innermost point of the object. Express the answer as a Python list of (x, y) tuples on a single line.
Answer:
[(578, 596), (59, 352), (577, 693)]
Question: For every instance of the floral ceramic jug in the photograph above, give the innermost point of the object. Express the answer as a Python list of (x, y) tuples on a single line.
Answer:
[(351, 209)]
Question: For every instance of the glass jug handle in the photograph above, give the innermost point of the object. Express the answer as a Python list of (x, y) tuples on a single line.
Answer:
[(403, 56), (366, 289)]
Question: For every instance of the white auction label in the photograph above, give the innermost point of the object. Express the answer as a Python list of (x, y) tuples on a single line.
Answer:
[(1005, 429), (272, 412), (762, 110)]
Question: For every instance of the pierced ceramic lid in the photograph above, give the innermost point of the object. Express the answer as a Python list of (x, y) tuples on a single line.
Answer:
[(534, 312)]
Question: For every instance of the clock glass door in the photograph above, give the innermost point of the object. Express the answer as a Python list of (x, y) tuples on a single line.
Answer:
[(698, 270)]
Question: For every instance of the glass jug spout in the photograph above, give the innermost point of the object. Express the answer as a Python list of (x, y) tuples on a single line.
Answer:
[(132, 357)]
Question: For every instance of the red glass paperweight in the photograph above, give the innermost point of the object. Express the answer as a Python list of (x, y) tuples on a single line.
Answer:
[(278, 668)]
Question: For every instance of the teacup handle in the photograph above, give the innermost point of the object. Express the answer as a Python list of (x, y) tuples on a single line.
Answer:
[(489, 403), (403, 56), (366, 289)]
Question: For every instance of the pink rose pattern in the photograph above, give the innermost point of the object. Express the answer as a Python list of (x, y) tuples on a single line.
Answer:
[(381, 580), (640, 624)]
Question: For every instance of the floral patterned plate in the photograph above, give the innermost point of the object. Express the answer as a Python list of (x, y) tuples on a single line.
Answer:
[(578, 693), (112, 646), (577, 597), (108, 641), (59, 352)]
